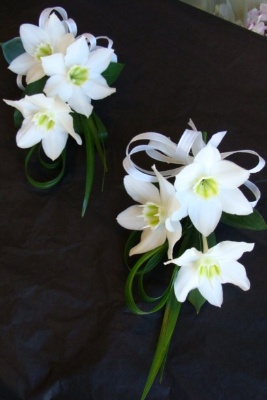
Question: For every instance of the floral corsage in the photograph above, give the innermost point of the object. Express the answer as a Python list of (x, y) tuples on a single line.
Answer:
[(174, 223), (60, 74)]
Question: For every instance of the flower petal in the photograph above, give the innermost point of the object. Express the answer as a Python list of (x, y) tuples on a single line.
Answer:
[(66, 122), (58, 85), (205, 214), (235, 273), (21, 64), (98, 91), (150, 239), (142, 192), (230, 250), (132, 218), (229, 175), (54, 64), (234, 202), (54, 142), (77, 53), (173, 238), (28, 135), (100, 59), (211, 290), (187, 279), (54, 28), (187, 177), (207, 157), (79, 102), (31, 37)]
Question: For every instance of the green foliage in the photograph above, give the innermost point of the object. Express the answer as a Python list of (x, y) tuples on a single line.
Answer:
[(112, 72), (253, 221), (12, 49)]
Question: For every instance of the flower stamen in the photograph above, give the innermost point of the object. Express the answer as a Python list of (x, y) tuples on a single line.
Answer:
[(45, 120), (78, 75), (43, 50), (206, 187)]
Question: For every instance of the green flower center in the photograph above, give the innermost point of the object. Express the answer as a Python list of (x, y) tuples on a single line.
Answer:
[(78, 75), (153, 215), (44, 120), (43, 50), (206, 187), (208, 267)]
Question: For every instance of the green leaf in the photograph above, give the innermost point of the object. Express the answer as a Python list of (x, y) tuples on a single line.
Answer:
[(90, 161), (168, 324), (12, 49), (253, 221), (48, 184), (196, 299), (112, 72), (35, 87)]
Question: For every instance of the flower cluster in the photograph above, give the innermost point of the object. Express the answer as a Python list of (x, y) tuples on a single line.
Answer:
[(177, 213), (63, 74)]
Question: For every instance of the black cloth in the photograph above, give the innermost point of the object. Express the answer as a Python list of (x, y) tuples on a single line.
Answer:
[(65, 332)]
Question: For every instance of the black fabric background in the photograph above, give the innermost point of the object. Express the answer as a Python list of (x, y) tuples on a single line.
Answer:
[(65, 332)]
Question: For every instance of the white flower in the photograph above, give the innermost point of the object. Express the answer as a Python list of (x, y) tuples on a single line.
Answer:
[(158, 216), (209, 186), (76, 77), (47, 120), (208, 271), (39, 43)]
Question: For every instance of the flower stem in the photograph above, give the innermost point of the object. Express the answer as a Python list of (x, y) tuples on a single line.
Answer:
[(205, 244)]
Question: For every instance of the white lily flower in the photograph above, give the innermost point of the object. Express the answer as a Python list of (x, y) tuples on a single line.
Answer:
[(158, 215), (39, 43), (209, 186), (47, 120), (76, 77), (208, 271)]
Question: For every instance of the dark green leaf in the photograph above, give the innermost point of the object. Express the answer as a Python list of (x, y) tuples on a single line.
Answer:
[(12, 49), (112, 72), (196, 299), (48, 184), (168, 324), (35, 87), (18, 119), (253, 221)]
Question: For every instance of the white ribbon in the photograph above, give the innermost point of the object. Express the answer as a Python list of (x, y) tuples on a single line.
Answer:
[(69, 23)]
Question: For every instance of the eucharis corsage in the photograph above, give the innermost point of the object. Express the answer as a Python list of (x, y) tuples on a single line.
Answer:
[(174, 219), (60, 74)]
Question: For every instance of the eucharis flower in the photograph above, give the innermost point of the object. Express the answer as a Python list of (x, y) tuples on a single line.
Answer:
[(209, 186), (76, 77), (47, 120), (208, 271), (158, 214), (40, 43)]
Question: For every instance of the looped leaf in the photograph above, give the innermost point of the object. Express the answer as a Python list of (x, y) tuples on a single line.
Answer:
[(48, 184)]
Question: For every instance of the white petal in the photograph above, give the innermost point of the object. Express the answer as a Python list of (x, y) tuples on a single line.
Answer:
[(229, 175), (211, 290), (234, 202), (98, 91), (142, 192), (207, 157), (66, 122), (132, 218), (41, 101), (54, 28), (150, 239), (188, 258), (77, 53), (173, 238), (21, 64), (187, 279), (229, 250), (28, 135), (21, 106), (167, 190), (54, 64), (187, 177), (100, 59), (54, 142), (58, 85), (205, 214), (35, 73), (235, 273), (79, 102), (31, 37)]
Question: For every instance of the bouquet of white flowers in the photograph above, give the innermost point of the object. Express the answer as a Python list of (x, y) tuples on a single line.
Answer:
[(60, 74)]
